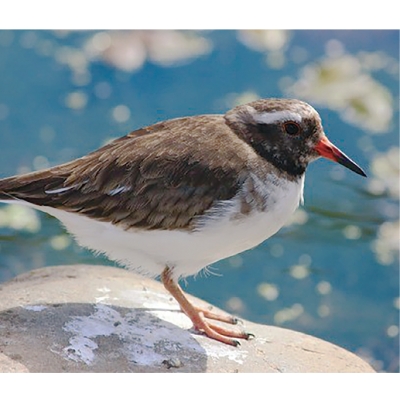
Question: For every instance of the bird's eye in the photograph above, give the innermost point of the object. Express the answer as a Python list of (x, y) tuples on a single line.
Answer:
[(291, 128)]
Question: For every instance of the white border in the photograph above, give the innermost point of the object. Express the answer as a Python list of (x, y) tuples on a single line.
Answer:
[(206, 14)]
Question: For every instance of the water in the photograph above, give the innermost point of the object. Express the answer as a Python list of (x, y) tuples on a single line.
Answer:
[(333, 272)]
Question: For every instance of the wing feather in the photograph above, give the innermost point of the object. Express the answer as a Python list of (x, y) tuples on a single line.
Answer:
[(159, 177)]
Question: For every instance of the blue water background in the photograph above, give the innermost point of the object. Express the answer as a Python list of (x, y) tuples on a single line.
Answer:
[(334, 272)]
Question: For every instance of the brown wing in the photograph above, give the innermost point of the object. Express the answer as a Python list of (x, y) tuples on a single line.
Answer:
[(159, 177)]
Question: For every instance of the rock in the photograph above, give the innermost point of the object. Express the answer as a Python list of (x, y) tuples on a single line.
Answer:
[(85, 318)]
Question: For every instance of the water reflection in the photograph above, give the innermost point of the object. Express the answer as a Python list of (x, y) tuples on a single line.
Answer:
[(385, 183), (387, 243), (271, 42), (19, 218), (129, 50), (385, 168), (343, 82)]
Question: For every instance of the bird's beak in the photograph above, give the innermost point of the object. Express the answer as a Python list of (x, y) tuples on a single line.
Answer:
[(328, 150)]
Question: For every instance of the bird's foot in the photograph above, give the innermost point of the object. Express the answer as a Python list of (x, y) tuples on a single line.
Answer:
[(217, 316), (218, 332), (202, 318)]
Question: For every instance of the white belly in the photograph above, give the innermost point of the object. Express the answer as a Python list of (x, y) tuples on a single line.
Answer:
[(148, 252)]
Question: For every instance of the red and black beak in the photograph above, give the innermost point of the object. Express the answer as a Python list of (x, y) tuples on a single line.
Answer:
[(328, 150)]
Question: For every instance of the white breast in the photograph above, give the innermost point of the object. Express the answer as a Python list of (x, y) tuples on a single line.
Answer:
[(221, 235)]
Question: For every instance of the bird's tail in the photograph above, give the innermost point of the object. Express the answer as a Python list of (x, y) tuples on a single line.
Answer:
[(33, 187)]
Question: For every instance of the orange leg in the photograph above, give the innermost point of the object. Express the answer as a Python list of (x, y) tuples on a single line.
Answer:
[(199, 316)]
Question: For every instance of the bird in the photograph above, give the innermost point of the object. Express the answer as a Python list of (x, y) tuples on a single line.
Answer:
[(170, 199)]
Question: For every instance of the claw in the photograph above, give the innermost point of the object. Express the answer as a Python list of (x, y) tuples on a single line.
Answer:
[(250, 336)]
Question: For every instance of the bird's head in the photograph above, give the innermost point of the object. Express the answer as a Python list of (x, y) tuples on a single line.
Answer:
[(286, 132)]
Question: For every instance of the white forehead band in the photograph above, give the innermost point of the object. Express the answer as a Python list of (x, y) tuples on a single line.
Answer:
[(276, 116)]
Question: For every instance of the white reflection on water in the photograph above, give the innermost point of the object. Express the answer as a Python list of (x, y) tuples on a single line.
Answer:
[(264, 40), (385, 181), (19, 218), (128, 50), (343, 82), (386, 245), (272, 42), (385, 168)]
